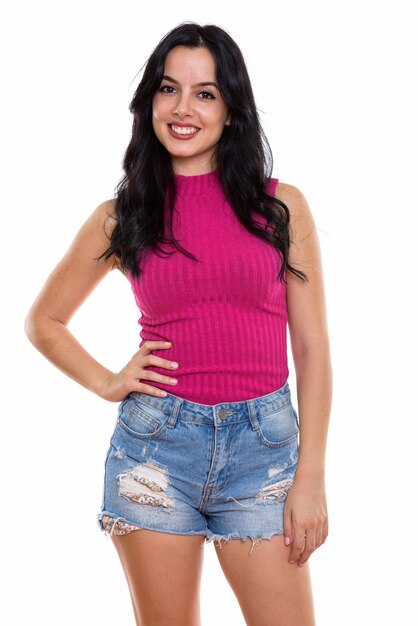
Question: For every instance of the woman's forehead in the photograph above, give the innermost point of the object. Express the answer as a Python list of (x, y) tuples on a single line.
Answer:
[(183, 63)]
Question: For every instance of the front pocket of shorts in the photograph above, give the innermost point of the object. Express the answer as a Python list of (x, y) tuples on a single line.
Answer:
[(142, 421), (279, 428)]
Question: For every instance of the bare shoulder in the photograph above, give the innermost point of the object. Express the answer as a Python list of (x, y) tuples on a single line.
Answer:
[(293, 198), (301, 218), (106, 219)]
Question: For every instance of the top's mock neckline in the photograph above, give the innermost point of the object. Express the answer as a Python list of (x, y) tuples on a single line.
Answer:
[(197, 184)]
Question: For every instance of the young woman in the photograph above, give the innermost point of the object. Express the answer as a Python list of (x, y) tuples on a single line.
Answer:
[(221, 258)]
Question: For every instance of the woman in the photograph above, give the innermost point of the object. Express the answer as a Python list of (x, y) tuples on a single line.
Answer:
[(220, 257)]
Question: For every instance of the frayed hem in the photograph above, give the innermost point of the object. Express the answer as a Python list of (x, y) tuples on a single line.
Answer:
[(134, 527), (236, 535), (209, 537), (118, 525)]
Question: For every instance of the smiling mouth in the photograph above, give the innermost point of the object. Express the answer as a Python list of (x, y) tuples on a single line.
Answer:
[(184, 130)]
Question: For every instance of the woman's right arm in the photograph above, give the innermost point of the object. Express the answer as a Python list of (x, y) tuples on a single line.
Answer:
[(67, 287)]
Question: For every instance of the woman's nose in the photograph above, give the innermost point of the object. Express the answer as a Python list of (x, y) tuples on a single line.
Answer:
[(183, 106)]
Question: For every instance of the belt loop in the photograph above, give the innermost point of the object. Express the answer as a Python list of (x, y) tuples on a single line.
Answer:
[(255, 424), (172, 420)]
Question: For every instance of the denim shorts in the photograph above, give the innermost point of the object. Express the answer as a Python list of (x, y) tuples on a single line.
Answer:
[(180, 467)]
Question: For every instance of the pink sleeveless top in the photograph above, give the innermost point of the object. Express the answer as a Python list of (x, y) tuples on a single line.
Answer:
[(226, 313)]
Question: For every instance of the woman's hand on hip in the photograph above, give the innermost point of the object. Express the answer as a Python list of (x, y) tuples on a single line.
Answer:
[(131, 378)]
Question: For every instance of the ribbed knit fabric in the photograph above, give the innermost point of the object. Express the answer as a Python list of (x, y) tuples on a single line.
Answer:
[(226, 314)]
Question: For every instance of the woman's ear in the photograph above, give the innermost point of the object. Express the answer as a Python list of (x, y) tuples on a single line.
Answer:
[(228, 121)]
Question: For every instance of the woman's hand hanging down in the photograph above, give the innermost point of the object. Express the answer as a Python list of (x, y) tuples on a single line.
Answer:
[(305, 518), (131, 378)]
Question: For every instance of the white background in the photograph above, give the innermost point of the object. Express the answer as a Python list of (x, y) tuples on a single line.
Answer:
[(335, 83)]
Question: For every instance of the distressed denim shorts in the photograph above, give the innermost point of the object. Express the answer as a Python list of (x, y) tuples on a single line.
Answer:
[(181, 467)]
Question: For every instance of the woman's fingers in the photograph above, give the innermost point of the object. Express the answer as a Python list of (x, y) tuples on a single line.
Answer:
[(310, 546), (307, 538), (143, 359), (298, 545), (131, 377), (287, 524), (149, 346), (305, 518), (144, 374), (152, 391), (157, 361), (324, 533), (304, 538)]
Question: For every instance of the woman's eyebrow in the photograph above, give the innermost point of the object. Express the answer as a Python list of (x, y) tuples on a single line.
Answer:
[(203, 84)]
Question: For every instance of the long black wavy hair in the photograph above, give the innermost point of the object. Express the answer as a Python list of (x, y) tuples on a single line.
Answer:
[(242, 157)]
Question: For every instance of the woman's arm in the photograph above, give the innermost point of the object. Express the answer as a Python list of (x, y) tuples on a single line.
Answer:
[(306, 510), (67, 287), (308, 334)]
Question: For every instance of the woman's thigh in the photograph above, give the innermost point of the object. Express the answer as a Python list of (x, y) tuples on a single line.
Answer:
[(270, 591), (163, 571)]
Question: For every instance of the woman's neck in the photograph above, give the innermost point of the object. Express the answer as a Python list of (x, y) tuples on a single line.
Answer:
[(189, 167)]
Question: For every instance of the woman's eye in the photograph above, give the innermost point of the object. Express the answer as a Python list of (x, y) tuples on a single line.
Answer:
[(206, 95), (166, 88)]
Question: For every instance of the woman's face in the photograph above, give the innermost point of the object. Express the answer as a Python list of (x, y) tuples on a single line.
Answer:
[(188, 112)]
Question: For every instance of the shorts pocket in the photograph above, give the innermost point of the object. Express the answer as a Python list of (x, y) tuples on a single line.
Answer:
[(141, 420), (278, 428)]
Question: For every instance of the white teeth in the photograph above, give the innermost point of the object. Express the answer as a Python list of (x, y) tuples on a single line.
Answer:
[(184, 130)]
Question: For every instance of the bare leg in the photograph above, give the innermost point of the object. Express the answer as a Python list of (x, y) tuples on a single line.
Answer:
[(163, 571), (270, 591)]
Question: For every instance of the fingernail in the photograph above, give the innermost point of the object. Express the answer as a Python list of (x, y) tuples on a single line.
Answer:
[(287, 540), (291, 561), (301, 564), (173, 365)]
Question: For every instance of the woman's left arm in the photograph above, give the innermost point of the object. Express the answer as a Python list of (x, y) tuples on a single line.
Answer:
[(306, 508)]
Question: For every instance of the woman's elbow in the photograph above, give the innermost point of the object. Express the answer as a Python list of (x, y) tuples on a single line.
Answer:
[(311, 347), (36, 325), (31, 326)]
